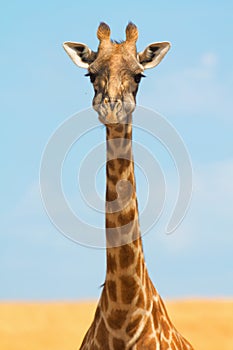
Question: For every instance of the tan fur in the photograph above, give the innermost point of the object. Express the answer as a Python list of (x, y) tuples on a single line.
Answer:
[(131, 33), (103, 32)]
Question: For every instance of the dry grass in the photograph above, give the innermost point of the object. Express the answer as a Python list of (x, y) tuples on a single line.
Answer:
[(49, 326)]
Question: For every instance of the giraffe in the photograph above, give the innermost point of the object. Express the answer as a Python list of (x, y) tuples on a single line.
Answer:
[(130, 314)]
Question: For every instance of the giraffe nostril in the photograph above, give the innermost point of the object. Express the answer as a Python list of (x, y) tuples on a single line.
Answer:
[(112, 105)]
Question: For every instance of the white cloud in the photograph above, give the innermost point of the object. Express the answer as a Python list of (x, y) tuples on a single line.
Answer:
[(194, 90), (209, 59), (204, 70)]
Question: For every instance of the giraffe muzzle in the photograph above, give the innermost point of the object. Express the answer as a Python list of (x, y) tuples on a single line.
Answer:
[(112, 105)]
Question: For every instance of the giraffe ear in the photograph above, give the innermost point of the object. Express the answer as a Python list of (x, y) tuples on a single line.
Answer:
[(80, 53), (153, 54)]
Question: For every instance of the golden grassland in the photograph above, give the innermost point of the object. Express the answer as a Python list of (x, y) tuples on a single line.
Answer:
[(208, 324)]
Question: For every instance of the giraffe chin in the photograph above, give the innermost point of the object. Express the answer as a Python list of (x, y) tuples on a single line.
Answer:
[(112, 119)]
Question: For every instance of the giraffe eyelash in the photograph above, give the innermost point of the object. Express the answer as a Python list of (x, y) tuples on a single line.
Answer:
[(137, 77), (92, 76)]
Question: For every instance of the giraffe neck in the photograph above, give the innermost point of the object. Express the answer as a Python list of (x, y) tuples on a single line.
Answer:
[(127, 286), (121, 200), (130, 313)]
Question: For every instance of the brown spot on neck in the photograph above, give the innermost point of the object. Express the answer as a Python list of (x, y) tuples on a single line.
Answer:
[(118, 344), (116, 318), (129, 289), (111, 164), (102, 335), (112, 291), (126, 217), (111, 195), (109, 223), (119, 128), (126, 256), (111, 262), (124, 164), (123, 130)]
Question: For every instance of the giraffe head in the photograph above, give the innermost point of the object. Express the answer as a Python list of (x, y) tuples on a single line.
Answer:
[(115, 70)]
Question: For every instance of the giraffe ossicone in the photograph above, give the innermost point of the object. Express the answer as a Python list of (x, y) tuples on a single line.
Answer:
[(130, 314)]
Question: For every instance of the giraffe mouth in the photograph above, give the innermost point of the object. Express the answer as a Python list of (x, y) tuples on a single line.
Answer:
[(110, 115), (112, 119)]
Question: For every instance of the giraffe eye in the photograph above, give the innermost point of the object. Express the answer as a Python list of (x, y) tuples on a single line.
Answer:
[(92, 76), (137, 77)]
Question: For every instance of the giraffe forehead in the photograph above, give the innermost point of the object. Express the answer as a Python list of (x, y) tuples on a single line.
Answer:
[(123, 64), (115, 60)]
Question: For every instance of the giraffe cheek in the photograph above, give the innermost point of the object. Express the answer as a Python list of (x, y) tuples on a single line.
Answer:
[(129, 104)]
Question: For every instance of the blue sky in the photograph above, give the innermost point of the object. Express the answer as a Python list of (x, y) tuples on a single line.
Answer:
[(40, 88)]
